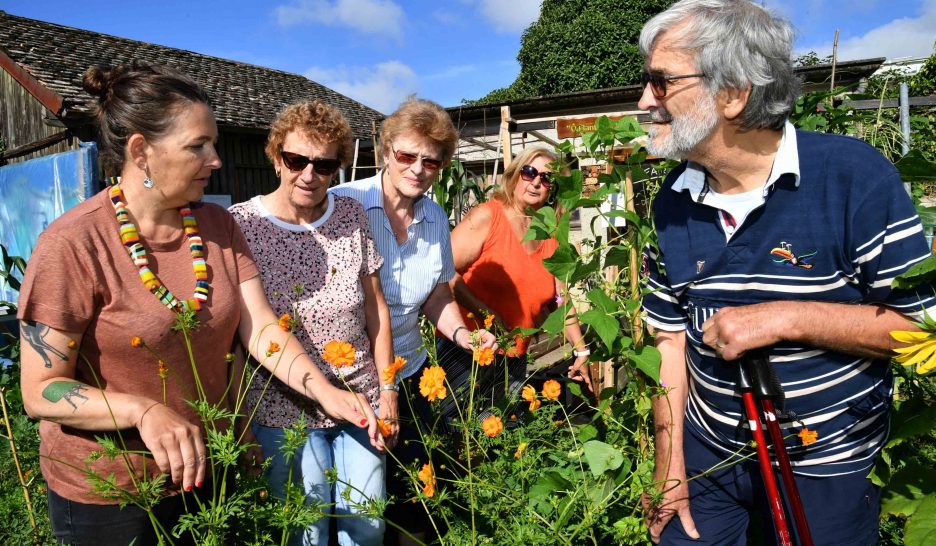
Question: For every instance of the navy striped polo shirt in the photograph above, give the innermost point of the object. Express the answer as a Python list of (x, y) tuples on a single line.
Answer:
[(839, 233)]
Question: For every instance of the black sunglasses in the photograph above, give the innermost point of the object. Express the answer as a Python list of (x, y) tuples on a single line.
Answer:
[(297, 163), (529, 173), (657, 81), (407, 158)]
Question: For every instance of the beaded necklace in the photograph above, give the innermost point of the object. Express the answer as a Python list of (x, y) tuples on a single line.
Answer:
[(131, 239)]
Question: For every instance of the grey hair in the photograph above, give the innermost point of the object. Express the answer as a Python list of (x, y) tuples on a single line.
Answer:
[(737, 44)]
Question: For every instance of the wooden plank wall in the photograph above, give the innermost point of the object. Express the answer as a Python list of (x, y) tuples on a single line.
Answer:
[(23, 120), (245, 170)]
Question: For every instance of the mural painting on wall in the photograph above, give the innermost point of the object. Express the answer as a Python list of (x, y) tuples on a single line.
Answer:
[(36, 192)]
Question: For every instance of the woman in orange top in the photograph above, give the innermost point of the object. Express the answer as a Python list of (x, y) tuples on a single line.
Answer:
[(498, 273)]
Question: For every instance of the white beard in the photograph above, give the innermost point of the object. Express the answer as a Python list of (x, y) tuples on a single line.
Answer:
[(686, 131)]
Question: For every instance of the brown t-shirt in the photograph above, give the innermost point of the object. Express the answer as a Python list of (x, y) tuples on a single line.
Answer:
[(80, 278)]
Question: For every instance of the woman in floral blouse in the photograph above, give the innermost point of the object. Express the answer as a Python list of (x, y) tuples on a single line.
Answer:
[(319, 265)]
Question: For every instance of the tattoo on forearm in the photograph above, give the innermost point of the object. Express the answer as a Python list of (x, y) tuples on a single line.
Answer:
[(35, 334), (70, 391)]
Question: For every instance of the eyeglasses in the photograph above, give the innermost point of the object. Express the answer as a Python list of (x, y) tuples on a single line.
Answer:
[(529, 173), (297, 163), (657, 81), (407, 158)]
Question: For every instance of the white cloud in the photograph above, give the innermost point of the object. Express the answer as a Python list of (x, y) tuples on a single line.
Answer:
[(511, 16), (381, 17), (382, 87), (903, 37)]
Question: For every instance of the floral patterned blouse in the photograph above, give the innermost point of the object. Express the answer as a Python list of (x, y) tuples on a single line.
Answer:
[(314, 272)]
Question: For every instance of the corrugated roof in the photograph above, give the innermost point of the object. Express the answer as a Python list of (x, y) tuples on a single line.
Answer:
[(243, 95)]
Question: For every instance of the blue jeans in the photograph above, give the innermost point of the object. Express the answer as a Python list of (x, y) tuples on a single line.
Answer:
[(361, 471)]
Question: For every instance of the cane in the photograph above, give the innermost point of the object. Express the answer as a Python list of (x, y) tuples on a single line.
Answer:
[(757, 377)]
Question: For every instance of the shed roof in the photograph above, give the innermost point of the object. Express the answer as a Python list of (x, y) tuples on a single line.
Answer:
[(53, 59)]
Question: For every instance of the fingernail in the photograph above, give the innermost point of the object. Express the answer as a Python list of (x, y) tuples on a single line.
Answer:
[(363, 422), (188, 487), (198, 484)]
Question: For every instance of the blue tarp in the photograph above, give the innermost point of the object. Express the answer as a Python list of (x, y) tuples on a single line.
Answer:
[(36, 192)]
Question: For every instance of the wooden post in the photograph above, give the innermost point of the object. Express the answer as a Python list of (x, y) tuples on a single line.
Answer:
[(637, 324), (374, 140), (834, 60), (505, 136), (357, 147)]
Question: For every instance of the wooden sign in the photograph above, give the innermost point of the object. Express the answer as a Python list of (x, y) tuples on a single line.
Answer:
[(574, 127)]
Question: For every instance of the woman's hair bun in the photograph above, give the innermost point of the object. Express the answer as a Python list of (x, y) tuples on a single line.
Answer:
[(97, 81)]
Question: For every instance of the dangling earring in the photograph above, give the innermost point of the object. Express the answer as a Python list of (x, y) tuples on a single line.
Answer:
[(147, 181)]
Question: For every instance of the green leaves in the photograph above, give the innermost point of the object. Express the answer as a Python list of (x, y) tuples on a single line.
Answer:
[(647, 359), (604, 325), (914, 167), (921, 273), (921, 528), (602, 457)]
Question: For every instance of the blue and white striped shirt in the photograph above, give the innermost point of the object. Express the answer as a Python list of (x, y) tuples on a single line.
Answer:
[(839, 232), (410, 271)]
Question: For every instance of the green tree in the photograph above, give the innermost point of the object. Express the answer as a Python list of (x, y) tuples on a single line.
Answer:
[(578, 45)]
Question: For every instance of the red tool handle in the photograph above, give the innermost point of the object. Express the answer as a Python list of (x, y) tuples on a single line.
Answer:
[(786, 472), (766, 468)]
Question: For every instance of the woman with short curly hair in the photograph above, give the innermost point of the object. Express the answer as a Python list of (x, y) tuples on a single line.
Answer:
[(301, 235)]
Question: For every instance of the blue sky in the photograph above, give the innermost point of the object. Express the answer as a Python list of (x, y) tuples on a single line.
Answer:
[(380, 51)]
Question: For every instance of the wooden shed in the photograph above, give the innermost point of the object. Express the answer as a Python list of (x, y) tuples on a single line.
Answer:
[(44, 110)]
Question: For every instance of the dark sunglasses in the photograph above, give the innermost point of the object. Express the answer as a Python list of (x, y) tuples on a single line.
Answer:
[(658, 81), (529, 173), (407, 158), (297, 163)]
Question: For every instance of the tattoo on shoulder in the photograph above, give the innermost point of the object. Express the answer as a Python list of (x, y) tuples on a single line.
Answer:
[(69, 391), (35, 333)]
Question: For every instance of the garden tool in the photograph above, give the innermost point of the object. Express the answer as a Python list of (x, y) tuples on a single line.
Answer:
[(757, 380)]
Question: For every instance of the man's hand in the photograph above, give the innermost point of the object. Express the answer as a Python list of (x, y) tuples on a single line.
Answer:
[(733, 331), (674, 502)]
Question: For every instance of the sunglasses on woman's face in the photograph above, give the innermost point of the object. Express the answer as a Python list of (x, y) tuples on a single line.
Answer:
[(407, 158), (529, 173), (297, 163)]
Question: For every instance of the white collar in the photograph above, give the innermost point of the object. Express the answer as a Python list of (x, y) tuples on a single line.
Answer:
[(267, 215), (786, 161)]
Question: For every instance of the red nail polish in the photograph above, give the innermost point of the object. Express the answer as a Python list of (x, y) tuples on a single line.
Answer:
[(188, 487), (198, 484), (363, 422)]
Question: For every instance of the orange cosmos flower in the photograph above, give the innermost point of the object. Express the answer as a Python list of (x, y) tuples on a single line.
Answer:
[(534, 404), (384, 427), (528, 393), (339, 353), (551, 390), (389, 373), (492, 426), (488, 321), (432, 383), (808, 436), (427, 476), (272, 349), (285, 322), (484, 357), (520, 449), (137, 341)]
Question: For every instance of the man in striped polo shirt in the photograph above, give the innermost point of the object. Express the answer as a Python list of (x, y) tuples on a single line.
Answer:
[(769, 238)]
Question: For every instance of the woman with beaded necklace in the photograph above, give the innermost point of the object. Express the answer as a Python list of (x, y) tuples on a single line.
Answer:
[(101, 282)]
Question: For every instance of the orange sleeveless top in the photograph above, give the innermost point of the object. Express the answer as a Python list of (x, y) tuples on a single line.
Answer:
[(509, 280)]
